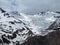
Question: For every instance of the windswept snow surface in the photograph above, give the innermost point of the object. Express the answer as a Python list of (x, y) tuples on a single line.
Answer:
[(23, 26), (40, 22)]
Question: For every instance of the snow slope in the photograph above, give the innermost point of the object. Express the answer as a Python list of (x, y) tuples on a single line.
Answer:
[(17, 27), (13, 29)]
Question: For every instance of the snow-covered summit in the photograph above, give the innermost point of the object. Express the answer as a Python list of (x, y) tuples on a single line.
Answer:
[(13, 28), (17, 27), (43, 21)]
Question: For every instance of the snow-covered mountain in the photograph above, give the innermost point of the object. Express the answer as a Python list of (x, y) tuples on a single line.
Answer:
[(12, 28), (17, 27)]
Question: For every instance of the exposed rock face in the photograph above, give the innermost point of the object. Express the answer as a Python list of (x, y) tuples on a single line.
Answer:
[(52, 38), (2, 10), (55, 25), (37, 40), (15, 31), (5, 40), (12, 30)]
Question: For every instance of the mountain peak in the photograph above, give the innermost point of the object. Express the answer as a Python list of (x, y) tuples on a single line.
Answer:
[(12, 28)]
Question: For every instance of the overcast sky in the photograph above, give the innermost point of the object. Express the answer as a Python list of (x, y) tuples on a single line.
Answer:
[(30, 6)]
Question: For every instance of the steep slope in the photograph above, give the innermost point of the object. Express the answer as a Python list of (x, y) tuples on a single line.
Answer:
[(52, 38), (13, 30), (42, 21)]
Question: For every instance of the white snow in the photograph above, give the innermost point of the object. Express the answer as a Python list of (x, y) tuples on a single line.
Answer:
[(37, 24)]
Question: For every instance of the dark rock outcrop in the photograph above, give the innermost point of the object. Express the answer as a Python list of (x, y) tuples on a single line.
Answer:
[(58, 12), (3, 11), (52, 38), (37, 40), (55, 25), (5, 40), (0, 41)]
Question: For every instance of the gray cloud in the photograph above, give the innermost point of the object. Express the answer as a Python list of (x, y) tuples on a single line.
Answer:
[(36, 6), (31, 6)]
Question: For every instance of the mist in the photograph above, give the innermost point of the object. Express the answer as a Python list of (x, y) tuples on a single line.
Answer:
[(30, 6)]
